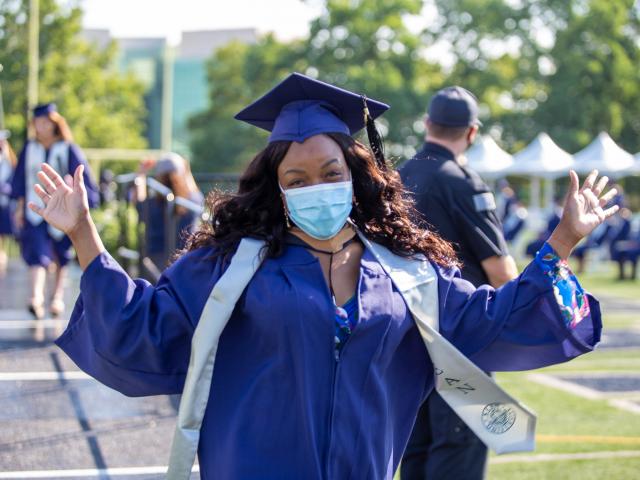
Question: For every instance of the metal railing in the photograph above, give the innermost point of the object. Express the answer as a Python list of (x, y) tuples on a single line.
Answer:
[(146, 266), (217, 181)]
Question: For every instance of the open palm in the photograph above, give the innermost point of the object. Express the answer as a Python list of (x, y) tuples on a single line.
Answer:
[(65, 201), (584, 207)]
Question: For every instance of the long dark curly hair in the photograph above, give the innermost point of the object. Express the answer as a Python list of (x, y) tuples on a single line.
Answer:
[(383, 211)]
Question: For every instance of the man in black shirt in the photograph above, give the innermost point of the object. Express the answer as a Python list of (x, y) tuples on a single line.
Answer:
[(458, 205)]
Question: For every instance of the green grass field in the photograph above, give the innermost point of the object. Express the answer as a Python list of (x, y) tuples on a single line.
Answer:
[(604, 282), (570, 424), (579, 438)]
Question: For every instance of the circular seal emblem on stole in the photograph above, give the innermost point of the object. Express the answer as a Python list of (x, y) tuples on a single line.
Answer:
[(498, 417)]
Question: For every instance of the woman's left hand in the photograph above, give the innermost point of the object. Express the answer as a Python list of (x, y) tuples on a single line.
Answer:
[(583, 212)]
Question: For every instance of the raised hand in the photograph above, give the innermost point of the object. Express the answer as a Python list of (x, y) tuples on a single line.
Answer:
[(65, 201), (583, 211)]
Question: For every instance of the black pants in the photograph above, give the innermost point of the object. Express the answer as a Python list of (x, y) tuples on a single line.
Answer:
[(442, 447)]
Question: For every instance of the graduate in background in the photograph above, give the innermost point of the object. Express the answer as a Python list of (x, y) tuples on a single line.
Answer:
[(7, 165), (42, 244), (172, 171), (321, 369)]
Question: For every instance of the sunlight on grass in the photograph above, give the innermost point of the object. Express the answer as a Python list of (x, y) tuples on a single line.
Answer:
[(621, 320), (568, 423), (612, 469), (604, 282), (562, 413), (618, 360)]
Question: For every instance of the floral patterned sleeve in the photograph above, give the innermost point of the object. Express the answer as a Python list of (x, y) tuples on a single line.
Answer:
[(570, 295)]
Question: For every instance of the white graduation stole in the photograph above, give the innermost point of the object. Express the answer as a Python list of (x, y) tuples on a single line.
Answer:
[(34, 158), (5, 177), (204, 345), (499, 420)]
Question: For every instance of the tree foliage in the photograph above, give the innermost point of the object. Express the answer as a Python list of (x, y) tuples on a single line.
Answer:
[(570, 68), (360, 45), (220, 143), (567, 67), (103, 107)]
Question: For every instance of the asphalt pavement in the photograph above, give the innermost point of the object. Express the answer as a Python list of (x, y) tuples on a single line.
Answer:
[(56, 421)]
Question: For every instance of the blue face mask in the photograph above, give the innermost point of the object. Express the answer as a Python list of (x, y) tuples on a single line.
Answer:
[(320, 210)]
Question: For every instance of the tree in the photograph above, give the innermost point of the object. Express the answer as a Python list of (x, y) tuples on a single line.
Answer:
[(103, 107), (360, 45), (365, 46), (220, 143), (566, 67), (596, 83)]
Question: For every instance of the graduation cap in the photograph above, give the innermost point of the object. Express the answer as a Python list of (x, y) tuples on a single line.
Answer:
[(44, 109), (300, 107)]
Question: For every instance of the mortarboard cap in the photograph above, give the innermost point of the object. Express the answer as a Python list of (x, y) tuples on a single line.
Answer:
[(44, 109), (300, 107), (454, 107)]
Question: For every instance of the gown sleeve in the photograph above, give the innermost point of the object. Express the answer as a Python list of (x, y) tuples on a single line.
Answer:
[(540, 318), (133, 336), (18, 187)]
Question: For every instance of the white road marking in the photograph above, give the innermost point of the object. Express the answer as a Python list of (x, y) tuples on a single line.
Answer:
[(34, 376), (89, 472), (555, 457), (621, 400), (31, 323)]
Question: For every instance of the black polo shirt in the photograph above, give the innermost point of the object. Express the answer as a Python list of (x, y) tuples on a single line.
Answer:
[(457, 204)]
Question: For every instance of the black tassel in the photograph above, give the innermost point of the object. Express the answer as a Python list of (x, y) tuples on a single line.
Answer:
[(375, 140)]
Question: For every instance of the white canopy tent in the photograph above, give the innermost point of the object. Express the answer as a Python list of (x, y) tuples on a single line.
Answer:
[(636, 166), (604, 155), (541, 159), (487, 158)]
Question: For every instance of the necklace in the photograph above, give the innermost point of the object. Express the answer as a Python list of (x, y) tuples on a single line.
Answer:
[(295, 240)]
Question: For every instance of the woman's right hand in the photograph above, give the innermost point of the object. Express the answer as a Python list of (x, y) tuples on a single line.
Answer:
[(65, 201)]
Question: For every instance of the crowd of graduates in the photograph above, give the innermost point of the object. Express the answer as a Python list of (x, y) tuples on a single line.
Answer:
[(617, 239), (46, 249)]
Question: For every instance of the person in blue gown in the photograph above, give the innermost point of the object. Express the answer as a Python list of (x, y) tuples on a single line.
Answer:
[(172, 171), (41, 244), (7, 166), (321, 369)]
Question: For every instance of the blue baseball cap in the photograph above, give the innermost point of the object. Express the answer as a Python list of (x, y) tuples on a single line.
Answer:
[(300, 107), (454, 107), (44, 109)]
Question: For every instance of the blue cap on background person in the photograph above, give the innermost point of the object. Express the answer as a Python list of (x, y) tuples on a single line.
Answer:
[(44, 109), (454, 107)]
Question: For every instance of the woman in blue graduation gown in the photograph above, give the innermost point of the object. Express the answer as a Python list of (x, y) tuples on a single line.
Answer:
[(7, 165), (40, 243), (321, 369)]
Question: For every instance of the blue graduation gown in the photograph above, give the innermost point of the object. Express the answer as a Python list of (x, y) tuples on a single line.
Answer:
[(280, 405)]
